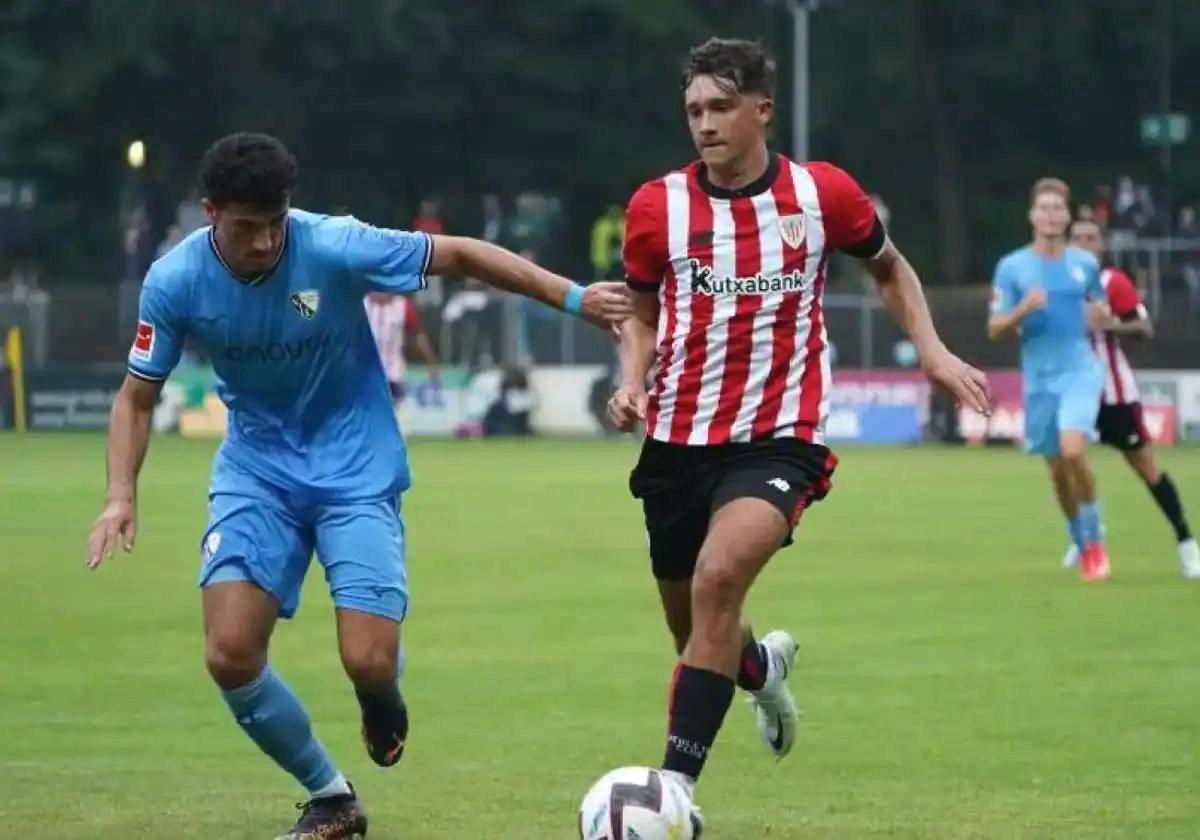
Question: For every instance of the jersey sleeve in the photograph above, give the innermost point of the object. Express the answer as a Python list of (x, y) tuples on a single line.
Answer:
[(158, 343), (1005, 294), (851, 223), (645, 250), (1122, 296), (383, 259)]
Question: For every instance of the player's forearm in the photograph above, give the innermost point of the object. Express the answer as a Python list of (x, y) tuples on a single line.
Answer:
[(1137, 328), (636, 352), (128, 440), (1005, 324), (505, 270), (902, 295)]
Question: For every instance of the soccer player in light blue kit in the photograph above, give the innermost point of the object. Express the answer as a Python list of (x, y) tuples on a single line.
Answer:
[(1050, 294), (313, 459)]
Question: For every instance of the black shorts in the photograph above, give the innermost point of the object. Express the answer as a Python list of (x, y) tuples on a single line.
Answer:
[(682, 486), (1121, 427)]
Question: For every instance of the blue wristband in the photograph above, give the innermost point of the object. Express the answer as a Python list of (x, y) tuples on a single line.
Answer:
[(573, 301)]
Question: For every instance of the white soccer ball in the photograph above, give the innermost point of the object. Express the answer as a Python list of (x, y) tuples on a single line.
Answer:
[(637, 803)]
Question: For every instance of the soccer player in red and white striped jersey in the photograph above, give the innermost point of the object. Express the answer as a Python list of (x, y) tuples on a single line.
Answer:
[(728, 259), (1120, 421), (396, 327)]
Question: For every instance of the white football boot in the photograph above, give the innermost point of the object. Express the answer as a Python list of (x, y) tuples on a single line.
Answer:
[(1071, 558), (1189, 559), (774, 706)]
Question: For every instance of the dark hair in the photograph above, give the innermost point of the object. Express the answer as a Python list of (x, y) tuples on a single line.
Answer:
[(743, 66), (247, 168)]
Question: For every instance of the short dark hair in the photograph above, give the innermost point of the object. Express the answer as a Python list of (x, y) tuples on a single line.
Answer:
[(743, 66), (248, 168)]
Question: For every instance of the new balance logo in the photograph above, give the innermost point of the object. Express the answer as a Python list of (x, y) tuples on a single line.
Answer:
[(705, 282), (780, 484)]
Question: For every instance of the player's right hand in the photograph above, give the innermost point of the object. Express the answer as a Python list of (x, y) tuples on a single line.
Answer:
[(116, 525), (626, 407), (606, 304), (1034, 300)]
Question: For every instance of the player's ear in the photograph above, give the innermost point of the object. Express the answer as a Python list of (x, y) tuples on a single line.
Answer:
[(210, 211), (766, 110)]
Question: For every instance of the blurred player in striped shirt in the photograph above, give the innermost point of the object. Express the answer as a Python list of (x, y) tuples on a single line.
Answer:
[(398, 332), (1120, 421)]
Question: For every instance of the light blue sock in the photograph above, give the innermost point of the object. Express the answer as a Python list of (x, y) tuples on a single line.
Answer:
[(1075, 528), (1089, 516), (272, 716)]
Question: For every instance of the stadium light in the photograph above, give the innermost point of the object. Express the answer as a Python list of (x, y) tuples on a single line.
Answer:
[(135, 155), (799, 10)]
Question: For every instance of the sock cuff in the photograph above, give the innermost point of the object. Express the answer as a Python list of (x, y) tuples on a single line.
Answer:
[(704, 677), (247, 692)]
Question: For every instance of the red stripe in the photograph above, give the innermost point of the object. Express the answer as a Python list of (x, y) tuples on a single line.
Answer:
[(739, 341), (700, 248), (1114, 374), (783, 333), (818, 490), (665, 347), (812, 380)]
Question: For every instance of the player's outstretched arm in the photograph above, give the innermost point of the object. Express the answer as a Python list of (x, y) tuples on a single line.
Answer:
[(901, 291), (128, 439), (636, 352), (604, 304)]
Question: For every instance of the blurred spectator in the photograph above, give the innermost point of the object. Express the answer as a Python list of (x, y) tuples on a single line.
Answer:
[(468, 331), (1102, 205), (1123, 203), (492, 229), (510, 413), (608, 234), (1189, 230), (189, 215)]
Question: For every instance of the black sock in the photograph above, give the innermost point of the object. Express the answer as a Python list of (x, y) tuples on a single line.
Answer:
[(384, 709), (699, 701), (1168, 500), (752, 670)]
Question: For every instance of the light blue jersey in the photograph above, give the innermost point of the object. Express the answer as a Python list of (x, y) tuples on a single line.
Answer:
[(1054, 340), (1063, 379), (312, 459), (309, 409)]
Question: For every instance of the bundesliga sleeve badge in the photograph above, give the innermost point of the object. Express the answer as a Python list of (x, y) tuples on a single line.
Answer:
[(143, 342)]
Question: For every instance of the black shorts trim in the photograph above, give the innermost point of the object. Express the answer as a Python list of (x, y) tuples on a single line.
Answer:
[(1122, 427), (682, 486)]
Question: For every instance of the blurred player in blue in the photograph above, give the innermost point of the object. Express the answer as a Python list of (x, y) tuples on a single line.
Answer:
[(1049, 293), (312, 459)]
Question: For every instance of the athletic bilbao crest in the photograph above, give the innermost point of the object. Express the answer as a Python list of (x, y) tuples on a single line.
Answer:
[(305, 302), (792, 229)]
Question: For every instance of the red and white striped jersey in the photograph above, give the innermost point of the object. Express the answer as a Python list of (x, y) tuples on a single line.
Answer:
[(741, 349), (392, 318), (1119, 384)]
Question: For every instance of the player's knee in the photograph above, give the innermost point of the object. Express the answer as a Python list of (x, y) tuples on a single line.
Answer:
[(717, 584), (369, 665), (1072, 448), (232, 659)]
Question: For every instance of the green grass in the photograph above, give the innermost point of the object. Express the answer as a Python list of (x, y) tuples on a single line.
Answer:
[(956, 682)]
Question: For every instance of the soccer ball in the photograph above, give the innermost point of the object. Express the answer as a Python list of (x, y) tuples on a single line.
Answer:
[(637, 803)]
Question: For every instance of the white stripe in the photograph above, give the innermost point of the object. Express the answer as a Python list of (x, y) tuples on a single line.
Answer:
[(762, 347), (814, 237), (677, 248), (724, 264)]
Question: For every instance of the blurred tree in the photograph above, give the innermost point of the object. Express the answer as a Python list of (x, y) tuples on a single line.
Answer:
[(948, 109)]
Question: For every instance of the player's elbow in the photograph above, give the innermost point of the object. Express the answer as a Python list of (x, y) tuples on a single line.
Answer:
[(995, 329)]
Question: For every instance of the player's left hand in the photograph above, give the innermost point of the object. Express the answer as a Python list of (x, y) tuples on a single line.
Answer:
[(968, 385), (606, 304), (1099, 316), (116, 526)]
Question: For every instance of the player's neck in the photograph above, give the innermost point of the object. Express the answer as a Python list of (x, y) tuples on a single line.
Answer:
[(740, 173), (1049, 246)]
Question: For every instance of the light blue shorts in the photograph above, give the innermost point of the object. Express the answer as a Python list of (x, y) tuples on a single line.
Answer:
[(257, 534), (1071, 408)]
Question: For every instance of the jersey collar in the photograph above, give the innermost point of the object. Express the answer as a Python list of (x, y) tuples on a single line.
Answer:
[(259, 278), (758, 185)]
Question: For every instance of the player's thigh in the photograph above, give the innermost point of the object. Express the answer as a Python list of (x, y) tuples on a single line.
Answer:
[(238, 620), (1041, 424), (1121, 426), (361, 546), (255, 537)]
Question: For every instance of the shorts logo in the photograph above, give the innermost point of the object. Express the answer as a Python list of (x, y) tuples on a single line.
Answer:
[(306, 302), (780, 484), (212, 544), (143, 342), (791, 228)]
